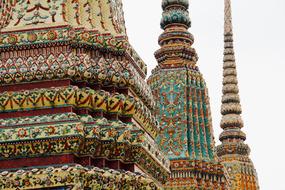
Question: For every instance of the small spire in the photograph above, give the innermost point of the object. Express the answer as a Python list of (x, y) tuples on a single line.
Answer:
[(176, 40), (231, 108), (231, 122), (233, 153)]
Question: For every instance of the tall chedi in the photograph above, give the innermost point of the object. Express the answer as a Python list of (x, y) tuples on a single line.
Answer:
[(183, 108), (75, 110), (233, 152)]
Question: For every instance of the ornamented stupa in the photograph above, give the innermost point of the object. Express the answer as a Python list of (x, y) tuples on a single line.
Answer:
[(183, 105), (233, 153), (75, 110)]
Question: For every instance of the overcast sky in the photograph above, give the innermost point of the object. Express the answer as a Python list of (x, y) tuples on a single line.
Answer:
[(259, 32)]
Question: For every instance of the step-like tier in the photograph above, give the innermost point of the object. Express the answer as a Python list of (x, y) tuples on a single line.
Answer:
[(196, 174), (31, 141), (116, 105), (74, 177), (101, 15), (61, 61)]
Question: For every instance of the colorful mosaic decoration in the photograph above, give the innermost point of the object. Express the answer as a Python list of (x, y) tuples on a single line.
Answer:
[(233, 152), (73, 91), (97, 101), (74, 177), (183, 107), (183, 103), (83, 135), (57, 63), (94, 14), (76, 112)]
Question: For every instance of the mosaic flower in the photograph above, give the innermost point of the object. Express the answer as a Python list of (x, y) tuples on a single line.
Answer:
[(51, 130), (52, 35), (12, 39), (22, 132), (71, 33), (85, 36)]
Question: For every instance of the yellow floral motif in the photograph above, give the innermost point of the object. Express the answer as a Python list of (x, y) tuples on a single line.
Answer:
[(80, 98)]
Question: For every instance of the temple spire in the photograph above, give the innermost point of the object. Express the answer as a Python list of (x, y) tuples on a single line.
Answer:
[(233, 153), (231, 109), (183, 108)]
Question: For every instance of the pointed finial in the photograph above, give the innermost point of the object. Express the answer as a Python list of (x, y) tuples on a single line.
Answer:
[(228, 17)]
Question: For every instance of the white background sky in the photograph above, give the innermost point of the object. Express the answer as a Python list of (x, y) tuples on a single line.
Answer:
[(259, 32)]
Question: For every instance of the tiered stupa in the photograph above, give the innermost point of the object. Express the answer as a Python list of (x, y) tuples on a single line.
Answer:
[(183, 108), (233, 152), (75, 110)]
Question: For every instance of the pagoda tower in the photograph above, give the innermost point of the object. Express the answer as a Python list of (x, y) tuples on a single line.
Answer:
[(233, 153), (75, 110), (183, 108)]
